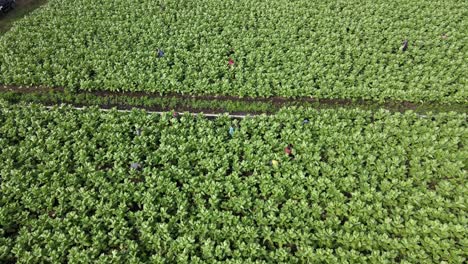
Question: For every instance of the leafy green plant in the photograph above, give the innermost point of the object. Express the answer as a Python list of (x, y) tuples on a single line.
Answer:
[(345, 49), (363, 187)]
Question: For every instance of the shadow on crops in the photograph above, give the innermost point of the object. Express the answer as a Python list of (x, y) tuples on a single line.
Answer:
[(23, 7)]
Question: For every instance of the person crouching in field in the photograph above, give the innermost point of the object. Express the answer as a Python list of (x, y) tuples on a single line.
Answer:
[(288, 150)]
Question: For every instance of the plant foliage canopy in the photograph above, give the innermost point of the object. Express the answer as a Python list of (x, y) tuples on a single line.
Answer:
[(325, 49), (363, 187)]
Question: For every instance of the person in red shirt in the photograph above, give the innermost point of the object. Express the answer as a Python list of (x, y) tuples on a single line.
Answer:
[(288, 151)]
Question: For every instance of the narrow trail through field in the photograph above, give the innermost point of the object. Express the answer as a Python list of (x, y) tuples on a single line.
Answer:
[(208, 104), (209, 116), (209, 113)]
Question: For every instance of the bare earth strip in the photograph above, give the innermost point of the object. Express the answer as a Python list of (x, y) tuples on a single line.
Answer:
[(213, 104)]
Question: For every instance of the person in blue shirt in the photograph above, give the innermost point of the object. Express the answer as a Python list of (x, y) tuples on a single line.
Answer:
[(160, 53)]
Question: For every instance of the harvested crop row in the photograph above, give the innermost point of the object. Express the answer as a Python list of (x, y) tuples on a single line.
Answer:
[(298, 187), (380, 50)]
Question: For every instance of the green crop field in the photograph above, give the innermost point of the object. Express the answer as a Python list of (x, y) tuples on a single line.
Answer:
[(358, 187), (363, 158), (324, 49)]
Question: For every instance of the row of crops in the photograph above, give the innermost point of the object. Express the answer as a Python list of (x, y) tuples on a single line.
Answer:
[(324, 49), (359, 186)]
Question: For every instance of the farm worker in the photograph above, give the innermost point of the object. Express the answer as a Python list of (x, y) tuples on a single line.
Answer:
[(135, 165), (231, 131), (306, 121), (160, 53), (138, 132), (231, 62), (288, 151), (274, 163), (405, 45)]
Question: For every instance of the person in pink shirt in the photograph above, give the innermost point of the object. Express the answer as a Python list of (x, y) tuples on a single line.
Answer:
[(288, 150)]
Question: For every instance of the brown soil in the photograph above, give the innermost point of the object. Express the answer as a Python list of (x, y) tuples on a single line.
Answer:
[(277, 101)]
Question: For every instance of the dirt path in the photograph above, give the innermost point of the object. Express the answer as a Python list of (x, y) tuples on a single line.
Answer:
[(206, 104), (209, 116)]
